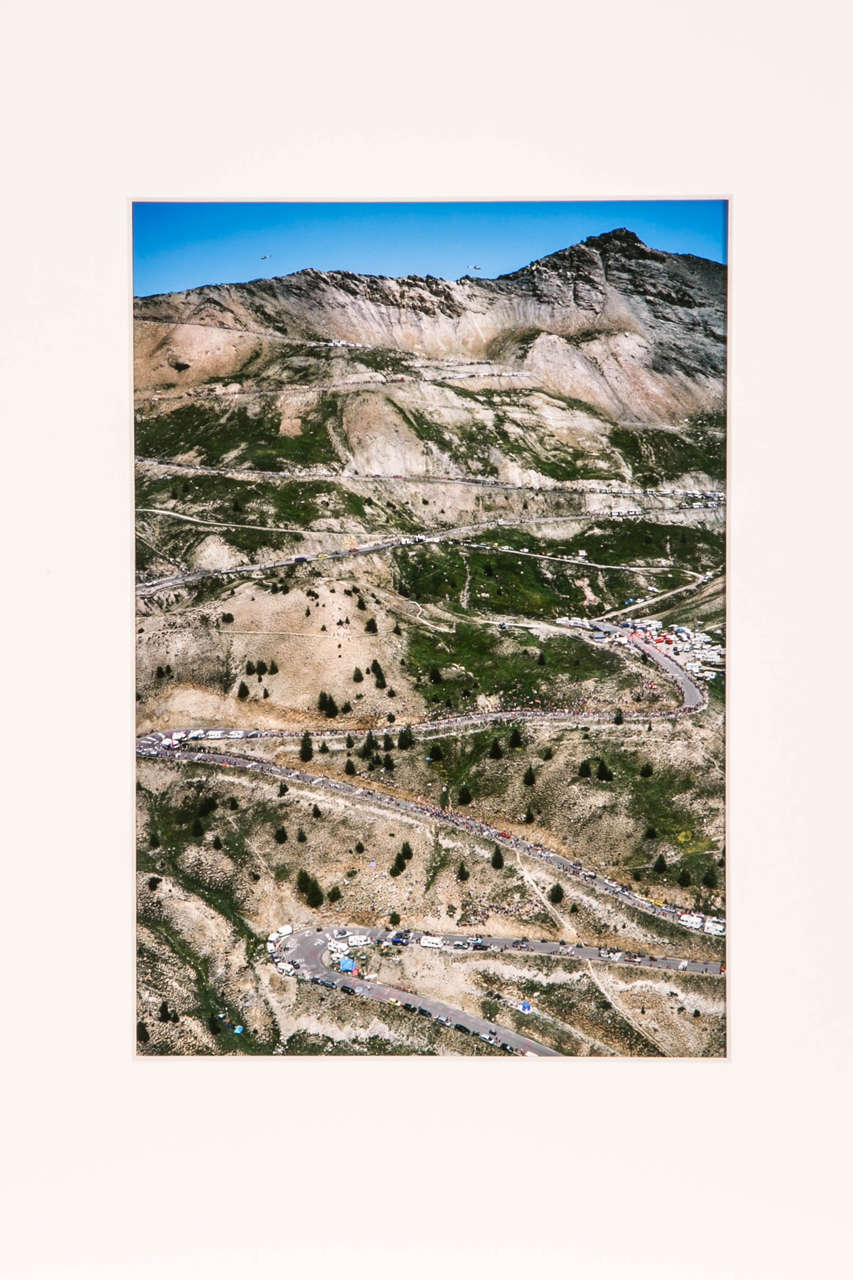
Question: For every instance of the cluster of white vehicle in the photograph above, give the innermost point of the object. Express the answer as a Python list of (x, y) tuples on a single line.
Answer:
[(697, 651), (285, 967), (176, 737)]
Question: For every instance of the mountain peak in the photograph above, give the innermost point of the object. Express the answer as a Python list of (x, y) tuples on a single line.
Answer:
[(618, 236)]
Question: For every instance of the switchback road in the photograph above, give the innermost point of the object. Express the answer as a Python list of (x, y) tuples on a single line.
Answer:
[(546, 485), (314, 953), (431, 815)]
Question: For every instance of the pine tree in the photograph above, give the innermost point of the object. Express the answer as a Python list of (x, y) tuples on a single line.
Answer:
[(528, 817), (301, 836), (359, 847), (331, 708), (709, 879), (370, 626), (232, 803), (306, 751), (394, 918), (387, 743), (684, 877), (280, 835), (243, 691), (388, 764), (250, 668), (436, 752), (464, 794), (515, 738), (334, 894), (646, 771), (435, 676), (529, 776), (462, 872), (273, 667), (659, 864), (495, 752), (217, 843), (358, 675), (405, 851), (197, 829), (315, 812), (405, 739), (142, 1033), (603, 773), (618, 717), (261, 668), (324, 750), (397, 631), (350, 742), (322, 700), (497, 859), (540, 661), (555, 894), (349, 768)]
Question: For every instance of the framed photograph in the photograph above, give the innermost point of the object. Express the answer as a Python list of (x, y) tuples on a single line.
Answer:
[(430, 628)]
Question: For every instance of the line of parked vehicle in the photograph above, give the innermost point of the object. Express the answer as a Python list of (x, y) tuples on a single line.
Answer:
[(324, 957), (591, 879)]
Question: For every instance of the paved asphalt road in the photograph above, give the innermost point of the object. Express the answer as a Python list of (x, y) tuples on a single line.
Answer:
[(156, 585), (310, 949), (148, 747), (545, 486)]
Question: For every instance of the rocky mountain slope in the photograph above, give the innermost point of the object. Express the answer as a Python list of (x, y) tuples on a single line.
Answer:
[(616, 328)]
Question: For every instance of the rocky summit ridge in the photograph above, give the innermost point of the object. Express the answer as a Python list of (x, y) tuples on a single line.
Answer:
[(635, 332)]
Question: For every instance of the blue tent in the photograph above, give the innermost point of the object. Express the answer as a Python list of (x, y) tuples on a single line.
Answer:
[(347, 964), (525, 1006)]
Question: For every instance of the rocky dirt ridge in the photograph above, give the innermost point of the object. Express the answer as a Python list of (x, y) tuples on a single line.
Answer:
[(637, 333)]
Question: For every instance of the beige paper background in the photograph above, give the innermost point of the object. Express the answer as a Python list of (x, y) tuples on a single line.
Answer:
[(176, 1168)]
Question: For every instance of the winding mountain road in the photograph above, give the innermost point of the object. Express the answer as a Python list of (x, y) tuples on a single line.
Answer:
[(155, 586), (149, 747), (311, 951)]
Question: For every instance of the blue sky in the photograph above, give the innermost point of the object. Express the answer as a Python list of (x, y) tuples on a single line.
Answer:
[(180, 246)]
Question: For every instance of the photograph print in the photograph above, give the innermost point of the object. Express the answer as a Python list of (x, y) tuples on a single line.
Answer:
[(430, 516)]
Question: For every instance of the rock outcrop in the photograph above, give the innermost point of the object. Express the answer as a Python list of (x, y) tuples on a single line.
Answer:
[(636, 333)]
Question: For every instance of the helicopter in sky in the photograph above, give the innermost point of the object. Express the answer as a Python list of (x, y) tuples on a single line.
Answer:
[(265, 256)]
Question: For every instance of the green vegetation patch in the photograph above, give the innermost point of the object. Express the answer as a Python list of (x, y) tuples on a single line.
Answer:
[(216, 432), (223, 499), (656, 455), (503, 665)]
